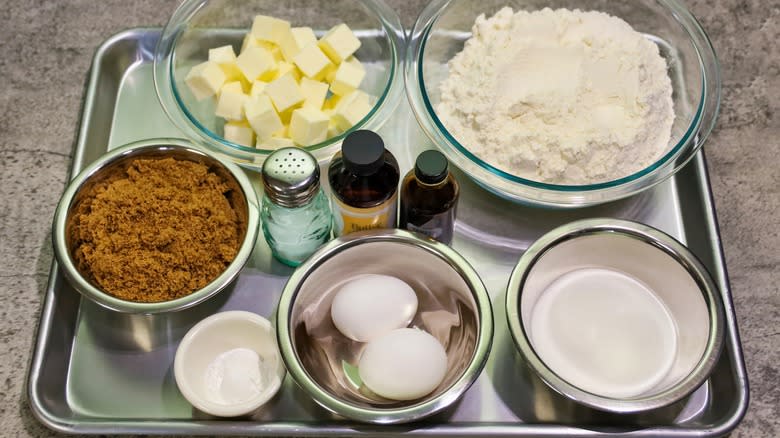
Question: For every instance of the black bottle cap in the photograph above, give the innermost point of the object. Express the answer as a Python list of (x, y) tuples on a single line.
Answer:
[(363, 152), (431, 167)]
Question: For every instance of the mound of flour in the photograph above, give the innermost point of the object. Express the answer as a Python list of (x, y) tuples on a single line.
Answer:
[(559, 96)]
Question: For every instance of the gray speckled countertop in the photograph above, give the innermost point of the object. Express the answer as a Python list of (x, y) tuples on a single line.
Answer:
[(45, 56)]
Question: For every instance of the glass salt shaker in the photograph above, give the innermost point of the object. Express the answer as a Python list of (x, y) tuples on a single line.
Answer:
[(295, 214)]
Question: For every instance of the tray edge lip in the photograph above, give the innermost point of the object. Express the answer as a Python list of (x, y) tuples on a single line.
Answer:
[(730, 422), (40, 412), (62, 425)]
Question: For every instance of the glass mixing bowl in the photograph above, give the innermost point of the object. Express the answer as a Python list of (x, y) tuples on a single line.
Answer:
[(443, 27), (199, 25)]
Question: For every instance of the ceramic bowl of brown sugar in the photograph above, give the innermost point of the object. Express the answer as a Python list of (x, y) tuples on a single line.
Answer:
[(155, 226)]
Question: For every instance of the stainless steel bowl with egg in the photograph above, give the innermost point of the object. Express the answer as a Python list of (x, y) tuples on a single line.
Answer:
[(385, 312)]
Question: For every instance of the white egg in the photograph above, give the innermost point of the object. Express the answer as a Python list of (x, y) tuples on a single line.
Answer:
[(372, 305), (404, 364)]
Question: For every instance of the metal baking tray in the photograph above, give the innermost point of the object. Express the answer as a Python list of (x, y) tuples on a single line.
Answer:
[(96, 371)]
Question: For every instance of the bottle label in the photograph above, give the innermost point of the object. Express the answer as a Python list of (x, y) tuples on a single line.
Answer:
[(348, 219)]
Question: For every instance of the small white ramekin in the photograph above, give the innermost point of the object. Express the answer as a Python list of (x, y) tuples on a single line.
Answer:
[(215, 335)]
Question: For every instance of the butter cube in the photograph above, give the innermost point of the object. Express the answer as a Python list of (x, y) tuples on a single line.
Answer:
[(239, 133), (347, 78), (330, 73), (351, 109), (333, 130), (308, 126), (258, 87), (295, 40), (312, 62), (249, 41), (314, 93), (331, 102), (256, 63), (226, 58), (205, 79), (284, 132), (284, 67), (284, 93), (234, 86), (355, 62), (230, 105), (339, 43), (262, 117), (274, 143), (287, 115), (273, 48), (270, 29)]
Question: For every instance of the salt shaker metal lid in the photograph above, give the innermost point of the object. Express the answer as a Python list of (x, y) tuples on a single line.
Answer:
[(291, 177)]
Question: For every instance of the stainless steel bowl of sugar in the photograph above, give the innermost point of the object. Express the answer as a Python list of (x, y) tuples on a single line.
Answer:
[(615, 315), (385, 326)]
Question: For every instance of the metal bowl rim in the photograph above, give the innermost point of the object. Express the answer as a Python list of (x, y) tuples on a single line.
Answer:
[(379, 415), (648, 235), (139, 148)]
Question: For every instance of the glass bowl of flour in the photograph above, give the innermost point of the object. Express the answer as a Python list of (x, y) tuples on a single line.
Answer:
[(562, 103)]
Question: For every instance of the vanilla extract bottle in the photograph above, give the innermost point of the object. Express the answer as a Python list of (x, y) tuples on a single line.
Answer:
[(429, 198), (363, 179)]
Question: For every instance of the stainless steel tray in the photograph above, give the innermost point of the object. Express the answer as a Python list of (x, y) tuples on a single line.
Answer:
[(96, 371)]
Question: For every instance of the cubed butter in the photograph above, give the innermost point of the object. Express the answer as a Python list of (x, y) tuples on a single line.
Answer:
[(284, 132), (295, 40), (274, 143), (330, 73), (312, 62), (314, 93), (355, 62), (271, 29), (256, 63), (347, 78), (284, 67), (287, 115), (284, 93), (262, 117), (226, 58), (230, 105), (258, 87), (205, 79), (239, 133), (339, 43), (351, 109), (249, 41), (275, 51), (308, 126), (331, 102), (333, 130), (234, 87)]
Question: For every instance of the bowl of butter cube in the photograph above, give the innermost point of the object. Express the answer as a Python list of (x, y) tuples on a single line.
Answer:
[(244, 78)]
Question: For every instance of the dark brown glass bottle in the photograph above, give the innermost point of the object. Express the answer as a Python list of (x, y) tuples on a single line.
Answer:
[(363, 179), (429, 198)]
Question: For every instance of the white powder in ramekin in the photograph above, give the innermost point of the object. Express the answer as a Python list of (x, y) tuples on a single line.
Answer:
[(559, 96)]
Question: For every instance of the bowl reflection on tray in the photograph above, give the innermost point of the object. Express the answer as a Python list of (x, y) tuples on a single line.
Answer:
[(453, 307)]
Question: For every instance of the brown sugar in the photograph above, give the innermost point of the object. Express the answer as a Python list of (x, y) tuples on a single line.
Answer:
[(159, 230)]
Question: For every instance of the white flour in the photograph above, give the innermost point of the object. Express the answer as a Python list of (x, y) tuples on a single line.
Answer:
[(559, 96)]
